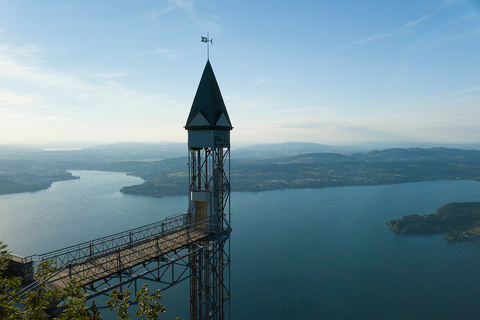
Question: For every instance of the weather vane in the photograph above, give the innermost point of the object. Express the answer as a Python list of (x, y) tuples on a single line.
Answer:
[(207, 40)]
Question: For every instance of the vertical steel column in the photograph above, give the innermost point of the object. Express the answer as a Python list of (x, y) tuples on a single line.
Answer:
[(210, 267)]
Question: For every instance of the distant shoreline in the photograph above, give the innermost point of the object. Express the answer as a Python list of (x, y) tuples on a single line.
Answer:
[(459, 221), (157, 191), (21, 183), (167, 177)]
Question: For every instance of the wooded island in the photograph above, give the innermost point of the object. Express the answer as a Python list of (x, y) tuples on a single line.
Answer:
[(459, 221)]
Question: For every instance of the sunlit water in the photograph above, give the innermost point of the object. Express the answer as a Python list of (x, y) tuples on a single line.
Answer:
[(296, 254)]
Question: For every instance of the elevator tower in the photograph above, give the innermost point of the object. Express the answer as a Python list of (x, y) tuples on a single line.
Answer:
[(209, 129)]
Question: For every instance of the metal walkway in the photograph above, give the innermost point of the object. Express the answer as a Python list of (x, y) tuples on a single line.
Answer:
[(118, 254)]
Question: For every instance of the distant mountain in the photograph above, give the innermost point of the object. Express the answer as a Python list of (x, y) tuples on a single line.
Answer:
[(128, 151), (135, 151), (138, 151), (409, 144), (301, 159), (419, 154), (17, 152), (272, 150)]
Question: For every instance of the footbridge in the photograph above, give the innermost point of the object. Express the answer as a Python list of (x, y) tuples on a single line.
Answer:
[(156, 252)]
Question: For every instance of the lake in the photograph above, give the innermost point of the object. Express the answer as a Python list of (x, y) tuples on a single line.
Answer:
[(296, 254)]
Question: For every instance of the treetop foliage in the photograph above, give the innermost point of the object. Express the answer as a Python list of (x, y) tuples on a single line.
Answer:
[(40, 304)]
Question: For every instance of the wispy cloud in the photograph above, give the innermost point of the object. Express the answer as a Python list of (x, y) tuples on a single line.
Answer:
[(183, 5), (24, 64), (192, 14), (8, 114), (8, 98), (166, 53), (53, 118), (468, 98), (406, 28), (271, 79), (316, 130), (458, 29), (18, 60), (326, 125), (111, 75), (452, 38), (35, 95), (388, 129), (463, 91)]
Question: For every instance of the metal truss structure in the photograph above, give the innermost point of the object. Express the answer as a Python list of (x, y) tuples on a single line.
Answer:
[(158, 252), (209, 172)]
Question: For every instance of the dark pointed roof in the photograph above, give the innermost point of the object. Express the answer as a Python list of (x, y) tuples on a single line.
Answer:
[(208, 110)]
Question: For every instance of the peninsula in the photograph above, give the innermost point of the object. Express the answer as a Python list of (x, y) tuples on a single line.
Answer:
[(459, 221), (254, 168)]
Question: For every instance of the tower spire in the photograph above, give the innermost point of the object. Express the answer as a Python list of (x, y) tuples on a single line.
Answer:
[(208, 110)]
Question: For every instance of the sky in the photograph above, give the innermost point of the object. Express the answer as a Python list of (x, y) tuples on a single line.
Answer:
[(330, 72)]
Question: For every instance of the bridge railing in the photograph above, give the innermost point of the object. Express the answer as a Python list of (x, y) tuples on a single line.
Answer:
[(125, 257), (97, 247)]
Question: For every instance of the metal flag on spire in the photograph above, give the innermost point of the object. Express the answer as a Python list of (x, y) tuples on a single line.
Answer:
[(207, 40)]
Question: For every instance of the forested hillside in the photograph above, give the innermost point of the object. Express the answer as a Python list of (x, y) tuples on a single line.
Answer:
[(169, 176)]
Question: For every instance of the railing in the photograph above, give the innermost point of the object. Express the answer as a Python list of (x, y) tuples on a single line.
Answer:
[(95, 248), (35, 284), (108, 256), (104, 265)]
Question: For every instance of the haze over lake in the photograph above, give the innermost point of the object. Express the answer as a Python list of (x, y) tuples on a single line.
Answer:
[(296, 254)]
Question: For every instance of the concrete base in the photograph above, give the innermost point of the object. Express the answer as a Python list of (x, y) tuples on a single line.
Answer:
[(21, 267)]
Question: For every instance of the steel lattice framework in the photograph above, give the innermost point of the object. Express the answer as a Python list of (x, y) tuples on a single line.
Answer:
[(158, 252), (210, 269)]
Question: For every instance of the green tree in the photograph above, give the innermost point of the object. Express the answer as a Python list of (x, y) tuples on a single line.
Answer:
[(9, 287), (149, 306), (39, 303)]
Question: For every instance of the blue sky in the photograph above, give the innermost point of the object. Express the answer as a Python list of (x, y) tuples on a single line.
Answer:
[(332, 72)]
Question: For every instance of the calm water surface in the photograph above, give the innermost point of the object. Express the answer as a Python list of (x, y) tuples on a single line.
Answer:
[(296, 254)]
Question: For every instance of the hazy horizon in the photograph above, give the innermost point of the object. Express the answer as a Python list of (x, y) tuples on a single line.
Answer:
[(335, 73), (76, 145)]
